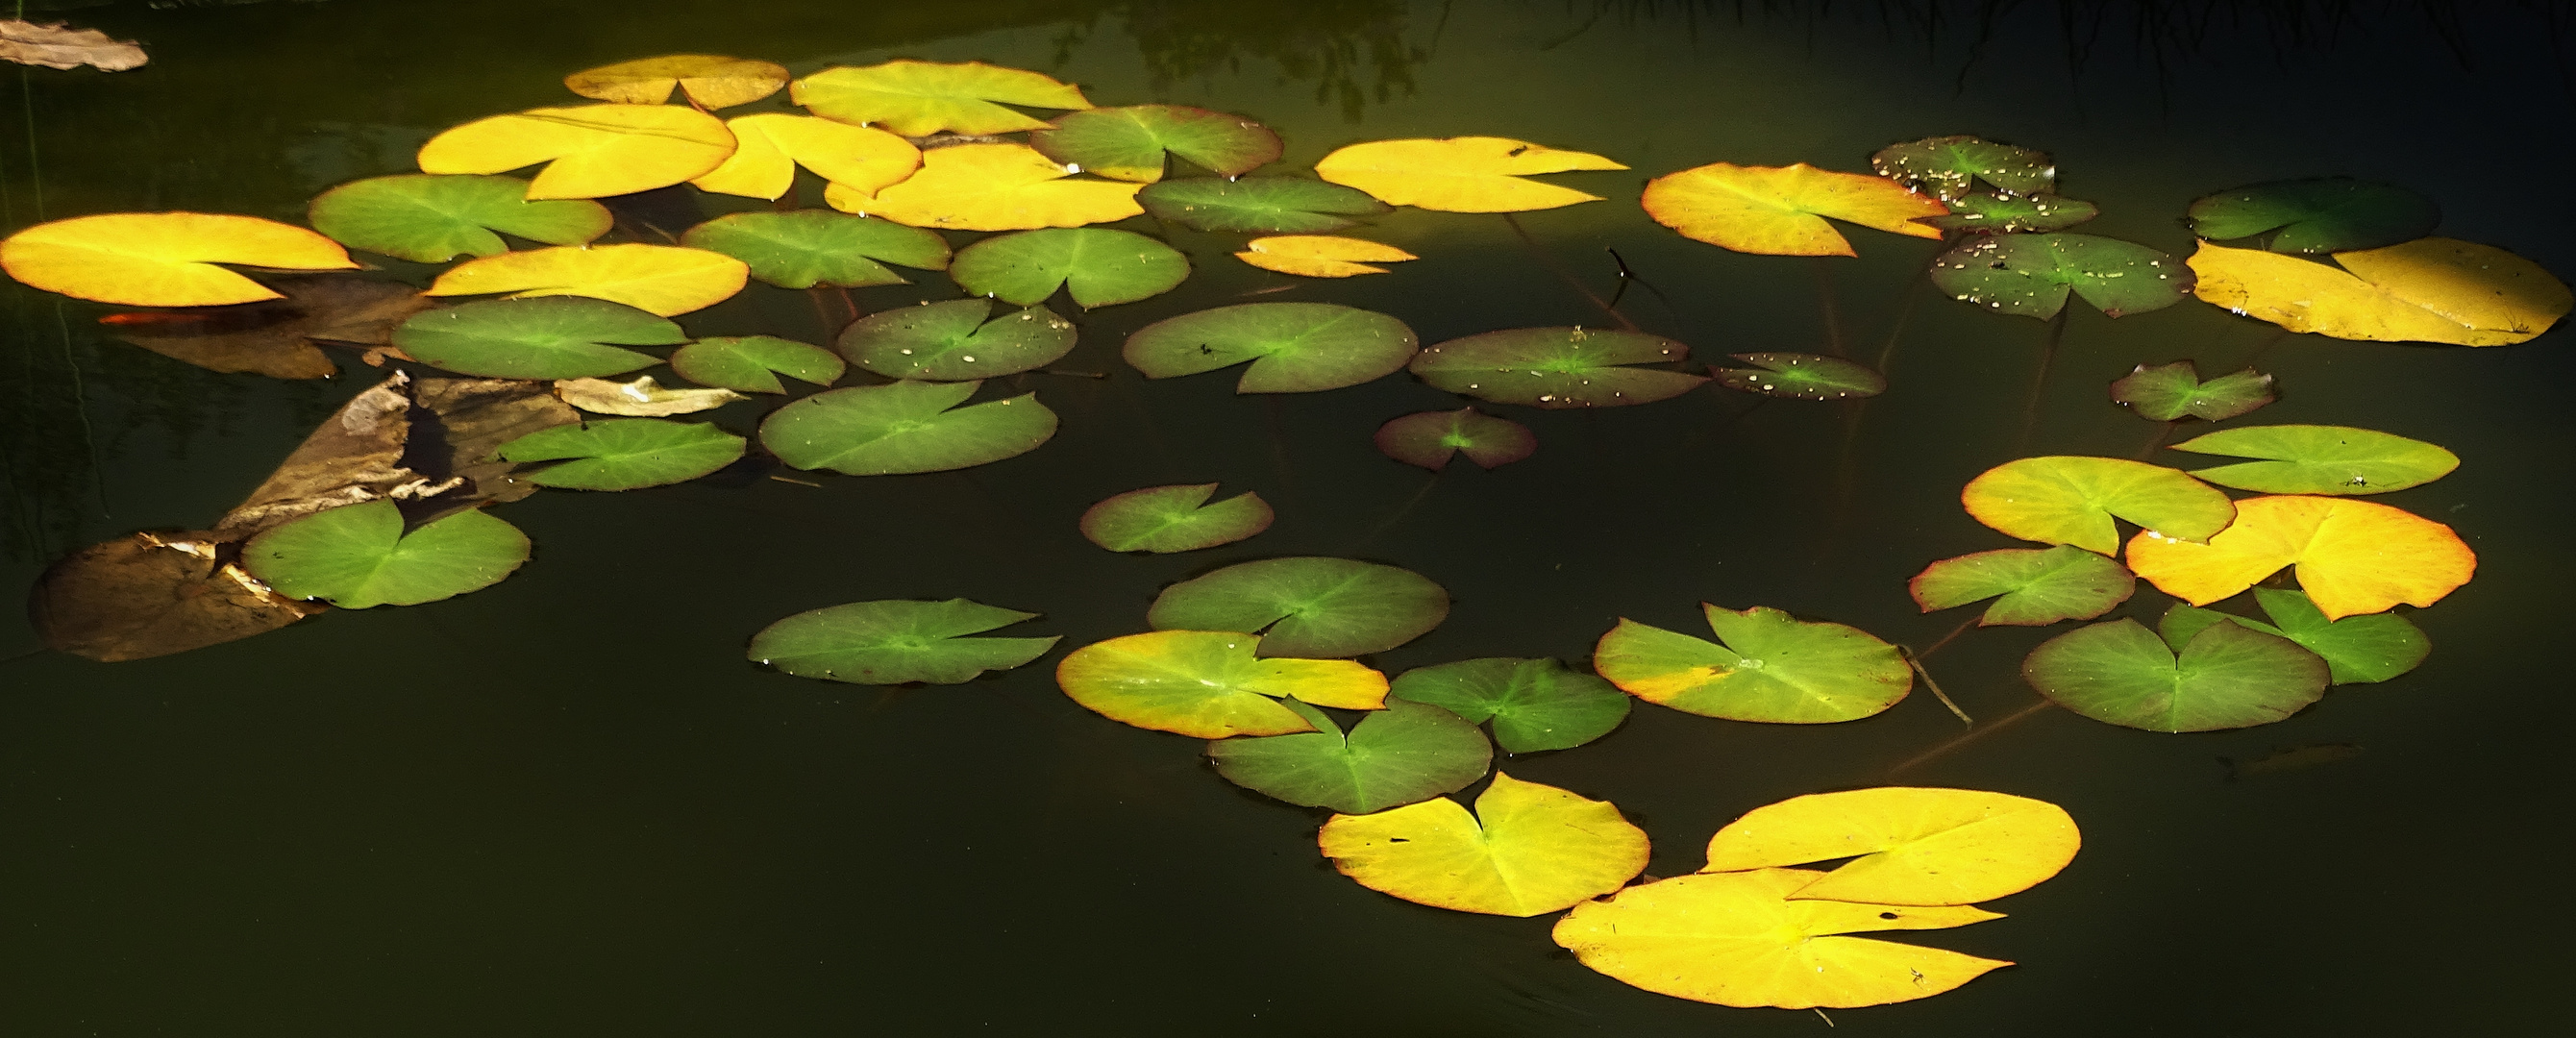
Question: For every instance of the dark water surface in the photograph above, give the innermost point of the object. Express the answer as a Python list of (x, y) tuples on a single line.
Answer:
[(565, 805)]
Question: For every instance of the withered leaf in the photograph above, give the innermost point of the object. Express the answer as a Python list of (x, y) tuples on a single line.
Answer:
[(152, 594), (59, 46), (276, 338)]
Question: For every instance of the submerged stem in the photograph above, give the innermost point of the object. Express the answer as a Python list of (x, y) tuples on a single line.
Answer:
[(1567, 276), (1974, 734)]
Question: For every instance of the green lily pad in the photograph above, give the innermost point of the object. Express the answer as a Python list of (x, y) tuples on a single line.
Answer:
[(548, 337), (1431, 438), (2357, 649), (1801, 376), (896, 642), (358, 557), (808, 247), (2031, 274), (1209, 684), (2011, 214), (1557, 368), (2327, 214), (752, 363), (1773, 667), (2226, 677), (1405, 753), (2039, 586), (1534, 704), (1293, 347), (950, 341), (1950, 167), (2320, 459), (1307, 606), (623, 453), (1099, 267), (1174, 518), (2068, 499), (904, 427), (2168, 392), (1258, 205), (429, 218), (1129, 143)]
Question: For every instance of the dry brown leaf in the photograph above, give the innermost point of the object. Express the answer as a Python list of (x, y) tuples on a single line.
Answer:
[(276, 337), (151, 595), (55, 46), (642, 398)]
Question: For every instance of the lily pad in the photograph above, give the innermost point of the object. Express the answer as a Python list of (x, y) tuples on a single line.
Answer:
[(1309, 606), (1129, 143), (358, 557), (1293, 347), (809, 247), (2031, 274), (2427, 290), (547, 338), (1915, 846), (1099, 267), (918, 98), (2357, 649), (1174, 519), (2227, 676), (950, 341), (896, 642), (1402, 754), (1209, 684), (624, 454), (2326, 214), (1773, 667), (1781, 210), (1557, 368), (2011, 214), (904, 427), (991, 187), (1534, 704), (1320, 255), (427, 218), (1528, 850), (752, 363), (2038, 586), (2320, 459), (1801, 376), (2064, 499), (1460, 174), (1949, 167), (1431, 438), (710, 80), (1258, 205), (2354, 557), (2169, 392)]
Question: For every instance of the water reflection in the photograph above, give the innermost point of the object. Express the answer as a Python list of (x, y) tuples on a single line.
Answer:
[(1354, 51)]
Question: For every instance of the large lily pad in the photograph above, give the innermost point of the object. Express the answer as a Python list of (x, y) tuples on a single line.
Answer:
[(1129, 143), (163, 259), (896, 642), (1431, 438), (1173, 519), (991, 187), (1307, 606), (1402, 754), (1773, 667), (1293, 347), (950, 341), (752, 363), (427, 218), (591, 151), (2227, 676), (2357, 649), (809, 247), (918, 98), (549, 338), (1915, 846), (624, 454), (1099, 267), (2170, 392), (1557, 367), (2327, 214), (663, 279), (2065, 499), (1781, 210), (2038, 586), (358, 557), (2354, 557), (2031, 274), (1258, 205), (2320, 459), (905, 427), (1534, 704), (1460, 174), (1950, 167), (1209, 684), (710, 80), (1801, 376), (1528, 850)]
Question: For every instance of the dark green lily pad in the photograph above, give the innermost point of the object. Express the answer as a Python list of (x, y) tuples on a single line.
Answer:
[(549, 337), (1534, 704), (2011, 214), (1129, 143), (896, 642), (2030, 274), (2357, 649), (1557, 368), (1258, 205), (1174, 518), (430, 218), (1773, 668), (950, 341), (1099, 267), (1801, 376), (1293, 347), (752, 363), (2327, 214), (1431, 438), (809, 247), (2226, 677), (624, 453), (2168, 392), (1949, 167), (358, 557), (1310, 607), (2039, 586), (904, 427), (1405, 753), (2320, 459)]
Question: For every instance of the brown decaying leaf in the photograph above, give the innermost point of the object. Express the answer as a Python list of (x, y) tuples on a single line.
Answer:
[(641, 398), (275, 338), (56, 46), (151, 595)]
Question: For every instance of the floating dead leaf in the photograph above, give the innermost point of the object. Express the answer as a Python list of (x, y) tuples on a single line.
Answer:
[(60, 46), (641, 398), (153, 594), (276, 337)]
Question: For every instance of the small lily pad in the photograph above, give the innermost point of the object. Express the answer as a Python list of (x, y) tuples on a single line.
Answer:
[(2227, 676), (624, 453), (1129, 143), (1431, 438), (1174, 518), (1258, 205), (550, 337), (752, 363), (809, 247), (1320, 607), (2169, 392), (2011, 214), (1099, 267), (1773, 667), (904, 427), (1534, 704), (2326, 214), (1557, 368), (1209, 684), (2357, 649), (896, 642), (1801, 376), (2031, 274), (1950, 167), (2332, 460), (1293, 347), (358, 557), (2038, 586), (950, 341), (429, 218), (1405, 753)]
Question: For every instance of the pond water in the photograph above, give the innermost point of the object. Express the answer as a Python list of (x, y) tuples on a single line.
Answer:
[(567, 805)]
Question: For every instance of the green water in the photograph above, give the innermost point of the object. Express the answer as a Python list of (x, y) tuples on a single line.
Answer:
[(566, 806)]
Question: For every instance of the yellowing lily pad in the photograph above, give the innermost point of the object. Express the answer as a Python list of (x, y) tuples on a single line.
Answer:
[(991, 187), (919, 98), (163, 259), (594, 150), (2072, 500), (1208, 684), (770, 145), (659, 279), (1916, 846), (1460, 174), (2427, 290), (1773, 668), (1320, 255), (1529, 849), (710, 80), (2354, 557), (1781, 210)]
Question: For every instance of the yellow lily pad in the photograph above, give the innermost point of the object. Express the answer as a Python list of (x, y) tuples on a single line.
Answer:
[(1460, 174), (1915, 846), (1209, 685), (2354, 557), (2427, 290), (1781, 210), (919, 98), (660, 279), (2070, 499), (991, 187), (1537, 849), (163, 259), (592, 151), (710, 80), (1320, 255), (770, 145)]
